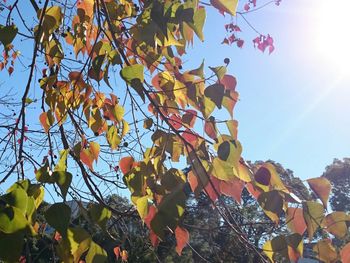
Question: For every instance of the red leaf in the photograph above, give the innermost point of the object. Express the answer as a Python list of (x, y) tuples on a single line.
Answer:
[(232, 188), (152, 210), (190, 137), (154, 238), (210, 129), (210, 190), (295, 220), (182, 237), (229, 82), (175, 121), (246, 7), (116, 251), (126, 164), (345, 253)]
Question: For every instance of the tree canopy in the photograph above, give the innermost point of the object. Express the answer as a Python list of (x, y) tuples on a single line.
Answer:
[(107, 102)]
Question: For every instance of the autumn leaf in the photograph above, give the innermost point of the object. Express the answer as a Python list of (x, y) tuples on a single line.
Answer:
[(225, 6), (345, 253), (295, 220), (126, 164), (325, 251), (322, 188), (182, 237)]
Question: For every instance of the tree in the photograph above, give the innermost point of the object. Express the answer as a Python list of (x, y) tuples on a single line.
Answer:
[(338, 173), (156, 115)]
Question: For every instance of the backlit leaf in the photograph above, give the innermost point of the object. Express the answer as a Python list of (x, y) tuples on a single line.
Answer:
[(7, 34), (126, 164), (345, 253), (322, 188), (225, 6), (313, 215), (182, 237), (325, 251), (295, 220), (58, 216)]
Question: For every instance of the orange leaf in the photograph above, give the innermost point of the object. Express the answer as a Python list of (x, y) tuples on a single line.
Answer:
[(116, 251), (295, 220), (124, 255), (44, 120), (126, 164), (95, 150), (345, 253), (192, 179), (87, 6), (86, 157), (182, 236), (232, 188), (322, 188)]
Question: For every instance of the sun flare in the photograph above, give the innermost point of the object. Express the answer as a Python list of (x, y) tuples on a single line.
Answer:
[(333, 32)]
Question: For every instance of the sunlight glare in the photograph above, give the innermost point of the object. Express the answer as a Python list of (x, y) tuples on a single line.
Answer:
[(333, 34)]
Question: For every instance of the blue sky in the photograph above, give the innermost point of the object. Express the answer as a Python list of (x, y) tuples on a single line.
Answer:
[(294, 103)]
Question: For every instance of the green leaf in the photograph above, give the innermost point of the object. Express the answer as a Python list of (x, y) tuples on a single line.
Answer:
[(16, 198), (198, 22), (228, 6), (272, 204), (99, 215), (52, 19), (7, 34), (290, 247), (37, 192), (219, 71), (96, 254), (199, 71), (11, 246), (74, 245), (313, 215), (132, 72), (134, 76), (62, 163), (216, 93), (58, 216), (170, 210), (113, 137), (12, 220), (63, 180), (42, 175)]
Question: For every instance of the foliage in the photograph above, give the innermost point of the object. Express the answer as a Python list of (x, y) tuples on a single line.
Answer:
[(155, 117), (338, 173)]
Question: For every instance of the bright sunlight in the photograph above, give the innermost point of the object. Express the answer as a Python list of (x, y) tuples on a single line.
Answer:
[(333, 37)]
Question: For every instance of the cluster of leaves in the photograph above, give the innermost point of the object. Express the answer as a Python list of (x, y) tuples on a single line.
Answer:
[(175, 108)]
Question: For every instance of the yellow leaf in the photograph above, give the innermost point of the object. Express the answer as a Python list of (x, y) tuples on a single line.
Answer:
[(325, 251)]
